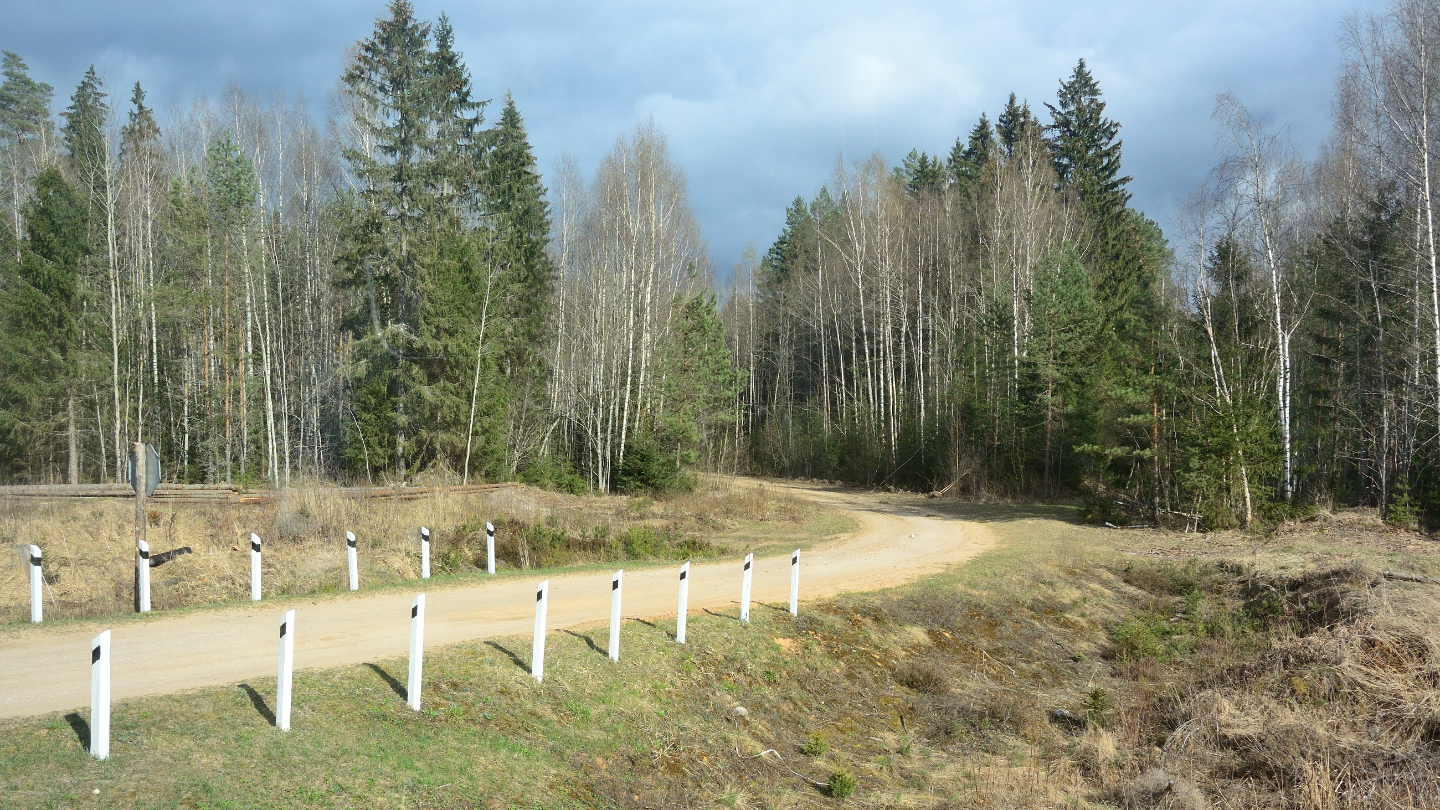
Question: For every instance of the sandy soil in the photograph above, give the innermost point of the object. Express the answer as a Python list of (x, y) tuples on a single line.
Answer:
[(45, 669)]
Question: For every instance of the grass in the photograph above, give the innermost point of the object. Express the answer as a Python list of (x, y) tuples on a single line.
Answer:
[(1067, 667), (89, 549)]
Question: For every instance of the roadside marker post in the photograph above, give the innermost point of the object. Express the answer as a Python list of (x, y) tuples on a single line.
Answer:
[(142, 574), (37, 584), (254, 567), (100, 696), (795, 583), (684, 600), (287, 671), (537, 649), (424, 553), (745, 589), (354, 565), (490, 547), (417, 651), (615, 583)]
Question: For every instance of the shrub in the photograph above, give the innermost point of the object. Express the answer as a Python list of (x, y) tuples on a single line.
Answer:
[(842, 784), (921, 675), (816, 745)]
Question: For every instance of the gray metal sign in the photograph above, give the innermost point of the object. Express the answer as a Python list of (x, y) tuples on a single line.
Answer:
[(152, 470)]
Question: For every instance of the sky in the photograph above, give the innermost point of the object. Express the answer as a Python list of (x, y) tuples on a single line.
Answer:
[(758, 100)]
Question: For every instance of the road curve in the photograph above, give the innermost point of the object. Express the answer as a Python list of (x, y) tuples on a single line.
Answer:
[(46, 669)]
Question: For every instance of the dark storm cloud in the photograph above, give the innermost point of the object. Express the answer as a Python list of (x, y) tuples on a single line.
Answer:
[(758, 99)]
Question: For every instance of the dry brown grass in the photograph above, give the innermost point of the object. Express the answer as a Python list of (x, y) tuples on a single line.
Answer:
[(89, 547)]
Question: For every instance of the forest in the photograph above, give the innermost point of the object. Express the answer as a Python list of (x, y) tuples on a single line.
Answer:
[(395, 294)]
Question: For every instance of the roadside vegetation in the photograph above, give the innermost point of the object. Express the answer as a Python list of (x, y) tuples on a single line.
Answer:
[(89, 548), (1071, 666)]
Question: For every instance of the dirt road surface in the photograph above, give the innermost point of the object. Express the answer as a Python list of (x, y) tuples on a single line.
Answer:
[(45, 669)]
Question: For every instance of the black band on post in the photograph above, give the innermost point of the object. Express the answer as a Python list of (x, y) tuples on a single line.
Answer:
[(350, 543), (747, 565), (255, 547), (794, 558), (538, 594), (95, 656), (282, 629), (683, 573), (614, 584), (35, 561), (144, 555), (414, 611)]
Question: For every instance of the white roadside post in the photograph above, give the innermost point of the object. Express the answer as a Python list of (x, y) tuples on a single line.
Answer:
[(100, 696), (490, 547), (354, 565), (795, 583), (417, 651), (424, 553), (615, 615), (37, 584), (287, 671), (684, 598), (745, 589), (142, 574), (254, 567), (537, 649)]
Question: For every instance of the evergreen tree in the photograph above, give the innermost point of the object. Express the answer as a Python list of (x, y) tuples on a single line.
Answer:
[(1013, 124), (84, 137), (520, 220), (920, 173), (1059, 364), (967, 159), (39, 304), (25, 126), (406, 248), (1083, 143)]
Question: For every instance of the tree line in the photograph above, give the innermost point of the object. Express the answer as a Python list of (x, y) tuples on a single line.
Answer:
[(397, 294), (270, 301), (1001, 321)]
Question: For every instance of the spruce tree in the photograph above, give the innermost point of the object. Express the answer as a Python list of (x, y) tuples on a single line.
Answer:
[(520, 218), (84, 137), (39, 306), (1012, 125), (969, 157)]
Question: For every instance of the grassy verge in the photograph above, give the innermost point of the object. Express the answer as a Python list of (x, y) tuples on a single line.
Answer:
[(1068, 667), (89, 550)]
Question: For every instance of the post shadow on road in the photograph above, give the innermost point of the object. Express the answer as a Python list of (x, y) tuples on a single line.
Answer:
[(785, 608), (589, 642), (390, 679), (512, 656), (259, 703), (653, 626), (81, 729)]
